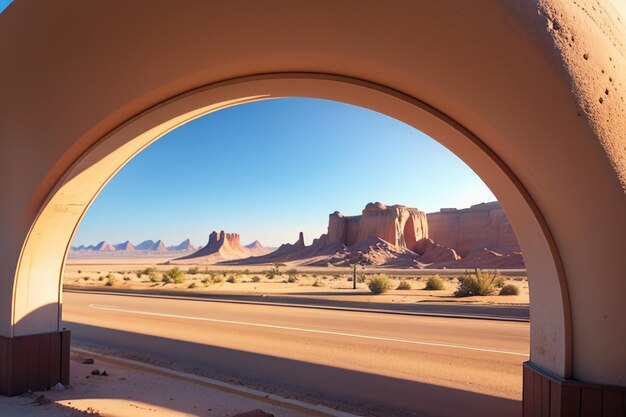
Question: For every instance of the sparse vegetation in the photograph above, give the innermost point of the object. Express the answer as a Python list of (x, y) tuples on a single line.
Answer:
[(478, 283), (192, 285), (404, 285), (126, 278), (149, 271), (434, 283), (232, 279), (292, 279), (153, 277), (256, 278), (318, 283), (111, 280), (509, 289), (193, 270), (206, 281), (165, 279), (217, 280), (379, 284), (293, 272), (176, 275)]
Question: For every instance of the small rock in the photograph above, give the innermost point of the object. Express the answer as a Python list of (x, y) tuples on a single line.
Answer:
[(95, 372), (88, 361), (104, 373)]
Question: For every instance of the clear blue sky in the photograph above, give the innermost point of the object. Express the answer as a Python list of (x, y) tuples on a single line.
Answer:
[(4, 4), (270, 169)]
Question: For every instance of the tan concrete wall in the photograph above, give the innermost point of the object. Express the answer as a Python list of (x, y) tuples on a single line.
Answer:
[(490, 79)]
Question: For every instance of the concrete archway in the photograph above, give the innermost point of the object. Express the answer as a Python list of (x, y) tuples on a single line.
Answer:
[(509, 116)]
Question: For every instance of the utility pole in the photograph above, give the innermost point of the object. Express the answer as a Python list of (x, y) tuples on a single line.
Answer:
[(354, 276)]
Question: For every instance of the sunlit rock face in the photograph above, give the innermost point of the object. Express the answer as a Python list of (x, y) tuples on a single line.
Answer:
[(482, 226), (398, 225)]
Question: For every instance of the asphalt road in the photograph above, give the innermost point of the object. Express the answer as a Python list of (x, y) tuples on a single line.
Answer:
[(365, 363)]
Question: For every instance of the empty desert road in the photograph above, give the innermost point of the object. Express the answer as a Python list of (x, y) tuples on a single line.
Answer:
[(365, 363)]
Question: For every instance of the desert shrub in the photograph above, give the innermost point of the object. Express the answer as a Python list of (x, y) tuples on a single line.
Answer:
[(138, 274), (148, 271), (193, 270), (232, 279), (379, 284), (206, 281), (165, 279), (404, 285), (509, 289), (153, 277), (126, 278), (292, 272), (478, 283), (434, 283), (100, 278), (80, 271), (192, 285), (217, 279), (256, 278), (318, 283), (176, 275), (111, 280), (292, 279), (85, 278), (270, 274)]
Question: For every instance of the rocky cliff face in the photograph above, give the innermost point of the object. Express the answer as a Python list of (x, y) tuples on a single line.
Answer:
[(399, 236), (398, 225), (482, 226)]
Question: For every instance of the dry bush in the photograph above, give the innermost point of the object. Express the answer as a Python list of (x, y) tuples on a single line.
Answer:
[(379, 284), (478, 283), (434, 283), (509, 289), (404, 285)]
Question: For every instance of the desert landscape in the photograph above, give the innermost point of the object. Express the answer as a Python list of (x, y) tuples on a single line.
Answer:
[(399, 254), (394, 236)]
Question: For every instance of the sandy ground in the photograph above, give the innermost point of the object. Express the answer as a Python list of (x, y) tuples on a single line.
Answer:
[(324, 283), (129, 392)]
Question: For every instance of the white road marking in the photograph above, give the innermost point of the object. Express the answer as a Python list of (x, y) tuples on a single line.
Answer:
[(299, 329)]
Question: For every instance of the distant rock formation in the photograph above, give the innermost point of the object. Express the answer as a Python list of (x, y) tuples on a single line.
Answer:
[(398, 225), (102, 247), (147, 248), (394, 236), (184, 246), (256, 249), (145, 245), (124, 247), (222, 247), (482, 226), (399, 236), (158, 246)]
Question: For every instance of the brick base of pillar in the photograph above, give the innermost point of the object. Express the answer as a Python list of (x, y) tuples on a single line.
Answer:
[(36, 362), (547, 395)]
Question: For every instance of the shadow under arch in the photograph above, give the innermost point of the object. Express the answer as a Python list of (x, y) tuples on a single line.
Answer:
[(38, 277)]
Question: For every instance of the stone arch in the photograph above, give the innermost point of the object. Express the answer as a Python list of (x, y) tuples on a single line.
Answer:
[(51, 234), (526, 120)]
